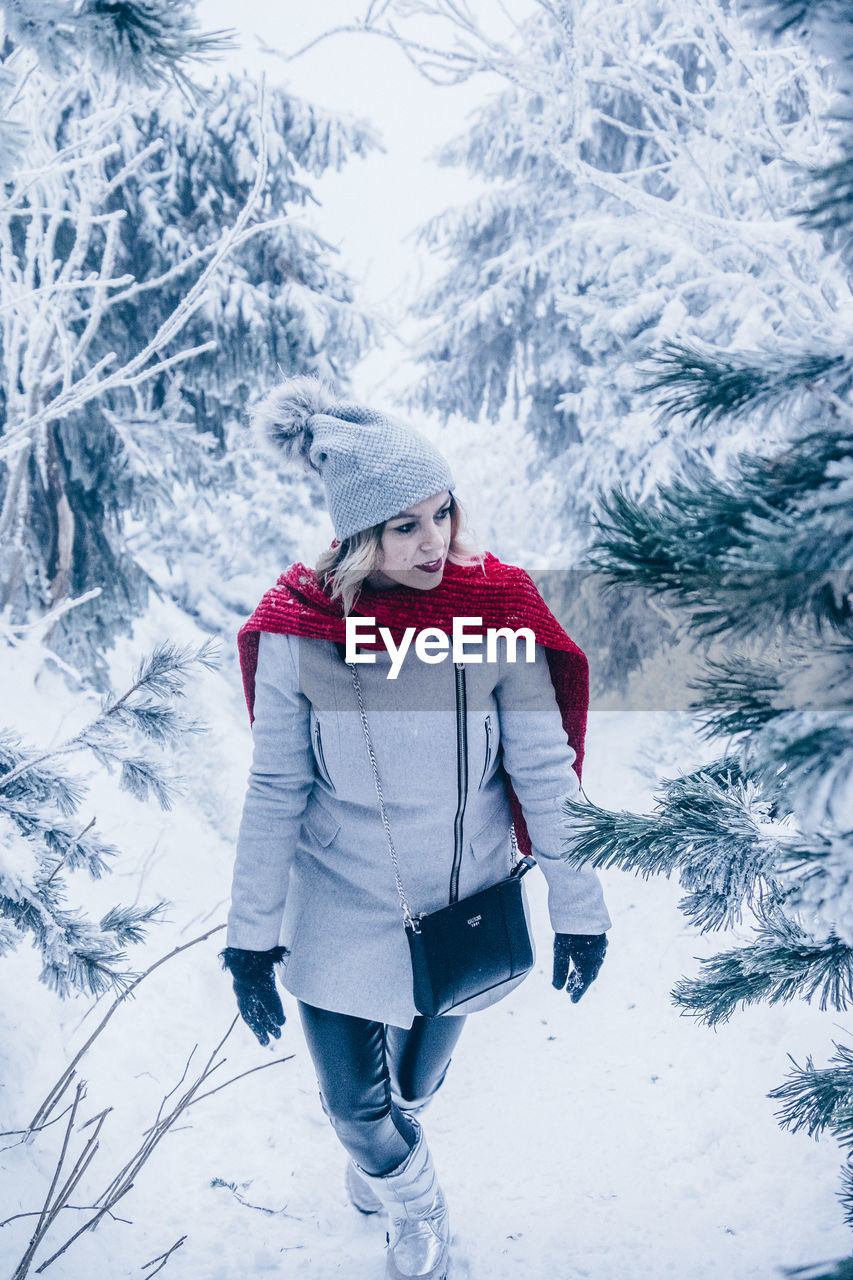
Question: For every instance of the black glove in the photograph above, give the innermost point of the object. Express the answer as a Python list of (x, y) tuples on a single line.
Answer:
[(254, 986), (585, 951)]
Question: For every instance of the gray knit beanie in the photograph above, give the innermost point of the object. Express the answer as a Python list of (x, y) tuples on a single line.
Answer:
[(372, 465)]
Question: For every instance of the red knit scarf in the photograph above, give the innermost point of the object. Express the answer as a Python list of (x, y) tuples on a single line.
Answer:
[(501, 594)]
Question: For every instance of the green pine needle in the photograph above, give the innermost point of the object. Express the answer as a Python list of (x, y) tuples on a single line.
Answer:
[(781, 965), (711, 385), (816, 1099)]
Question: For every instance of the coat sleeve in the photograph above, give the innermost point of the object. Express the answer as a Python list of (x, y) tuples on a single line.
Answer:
[(280, 782), (539, 762)]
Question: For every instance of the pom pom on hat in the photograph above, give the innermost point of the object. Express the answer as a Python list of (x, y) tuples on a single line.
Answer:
[(372, 466), (282, 419)]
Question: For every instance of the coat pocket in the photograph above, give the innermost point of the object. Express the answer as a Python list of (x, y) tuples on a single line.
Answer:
[(319, 758), (321, 824), (490, 840), (487, 759)]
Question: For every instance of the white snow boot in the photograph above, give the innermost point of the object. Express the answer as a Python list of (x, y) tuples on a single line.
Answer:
[(358, 1192), (419, 1228)]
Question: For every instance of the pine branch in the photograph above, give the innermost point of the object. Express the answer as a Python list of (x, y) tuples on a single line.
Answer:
[(602, 839), (781, 965), (798, 754), (162, 675), (710, 385), (144, 42), (744, 694), (64, 846), (126, 923), (712, 826), (42, 786), (846, 1198), (816, 1099), (149, 39), (744, 555), (142, 779), (164, 672), (739, 695), (93, 964), (160, 722), (832, 210), (842, 1270)]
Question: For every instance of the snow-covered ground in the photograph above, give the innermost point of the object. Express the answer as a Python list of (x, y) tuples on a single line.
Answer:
[(612, 1138)]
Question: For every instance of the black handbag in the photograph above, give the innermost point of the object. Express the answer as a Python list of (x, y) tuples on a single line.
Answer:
[(473, 944)]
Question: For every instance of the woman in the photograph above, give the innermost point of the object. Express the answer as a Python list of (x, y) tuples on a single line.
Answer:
[(323, 869)]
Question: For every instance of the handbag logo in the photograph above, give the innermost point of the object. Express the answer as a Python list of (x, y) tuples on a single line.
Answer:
[(474, 921)]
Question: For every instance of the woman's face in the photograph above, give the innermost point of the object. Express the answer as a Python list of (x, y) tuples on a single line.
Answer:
[(414, 545)]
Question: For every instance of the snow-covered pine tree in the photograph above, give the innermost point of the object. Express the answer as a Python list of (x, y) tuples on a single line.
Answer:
[(43, 834), (278, 305), (142, 236), (640, 165), (150, 41), (760, 560), (144, 42)]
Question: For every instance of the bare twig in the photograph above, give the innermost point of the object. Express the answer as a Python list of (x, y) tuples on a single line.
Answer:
[(26, 1133), (93, 1222), (241, 1076), (57, 1199), (76, 1208), (163, 1258), (125, 1178), (62, 1083), (79, 1095)]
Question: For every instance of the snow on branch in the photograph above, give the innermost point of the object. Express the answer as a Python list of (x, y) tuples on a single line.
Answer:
[(781, 965), (709, 826), (816, 1099), (95, 382), (147, 42), (41, 840)]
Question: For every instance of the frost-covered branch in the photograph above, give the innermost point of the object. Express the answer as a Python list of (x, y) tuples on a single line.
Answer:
[(160, 678), (91, 385), (816, 1099), (708, 386), (710, 826), (148, 42), (781, 965), (42, 839)]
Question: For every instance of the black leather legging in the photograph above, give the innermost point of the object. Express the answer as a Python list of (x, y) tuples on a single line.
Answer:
[(358, 1062)]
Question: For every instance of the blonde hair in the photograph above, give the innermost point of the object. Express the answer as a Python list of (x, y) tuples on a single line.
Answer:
[(342, 569)]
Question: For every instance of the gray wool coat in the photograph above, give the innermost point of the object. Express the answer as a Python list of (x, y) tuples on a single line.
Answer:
[(312, 869)]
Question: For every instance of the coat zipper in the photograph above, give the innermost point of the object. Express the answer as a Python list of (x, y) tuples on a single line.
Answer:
[(461, 776), (488, 727)]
